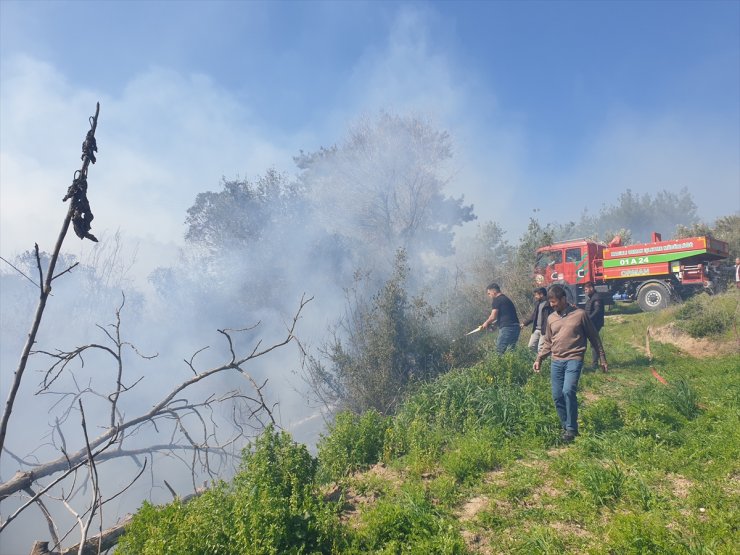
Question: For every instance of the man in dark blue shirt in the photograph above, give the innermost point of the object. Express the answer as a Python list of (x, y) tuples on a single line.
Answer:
[(503, 313)]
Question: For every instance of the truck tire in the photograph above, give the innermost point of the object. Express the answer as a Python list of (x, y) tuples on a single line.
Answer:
[(653, 296)]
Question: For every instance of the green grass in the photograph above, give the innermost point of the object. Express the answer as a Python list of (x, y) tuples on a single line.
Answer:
[(476, 454)]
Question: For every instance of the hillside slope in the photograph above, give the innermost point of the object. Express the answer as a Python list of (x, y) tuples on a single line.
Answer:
[(471, 463)]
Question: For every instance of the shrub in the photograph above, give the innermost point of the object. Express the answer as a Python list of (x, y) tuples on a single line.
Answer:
[(352, 443), (384, 345), (707, 316), (272, 507)]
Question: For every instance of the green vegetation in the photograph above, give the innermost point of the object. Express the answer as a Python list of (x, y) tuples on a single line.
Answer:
[(706, 316), (471, 463), (271, 507)]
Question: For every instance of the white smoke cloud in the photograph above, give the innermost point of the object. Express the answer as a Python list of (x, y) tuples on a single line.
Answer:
[(162, 140)]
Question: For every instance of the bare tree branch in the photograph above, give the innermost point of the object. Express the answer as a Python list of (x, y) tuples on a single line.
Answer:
[(47, 515), (95, 482), (201, 441), (19, 271), (87, 156), (60, 274)]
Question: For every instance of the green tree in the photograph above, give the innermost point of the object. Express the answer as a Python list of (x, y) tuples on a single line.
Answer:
[(247, 245), (244, 212), (636, 216), (384, 343)]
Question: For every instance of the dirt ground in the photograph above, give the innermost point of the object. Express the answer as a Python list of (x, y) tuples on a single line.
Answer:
[(698, 348)]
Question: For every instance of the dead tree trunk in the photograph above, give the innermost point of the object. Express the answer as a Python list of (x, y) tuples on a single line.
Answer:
[(79, 214)]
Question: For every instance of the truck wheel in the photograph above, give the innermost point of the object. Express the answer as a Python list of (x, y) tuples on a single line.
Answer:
[(653, 296)]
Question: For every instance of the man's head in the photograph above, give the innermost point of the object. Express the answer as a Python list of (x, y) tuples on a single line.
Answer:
[(493, 290), (588, 288), (540, 293), (557, 298), (737, 261)]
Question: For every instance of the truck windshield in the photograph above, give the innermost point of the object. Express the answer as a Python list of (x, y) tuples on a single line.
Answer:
[(545, 259)]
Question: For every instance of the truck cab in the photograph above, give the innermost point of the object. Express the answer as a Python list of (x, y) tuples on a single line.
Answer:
[(569, 263)]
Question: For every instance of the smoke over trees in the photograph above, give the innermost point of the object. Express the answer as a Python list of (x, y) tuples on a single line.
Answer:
[(350, 207), (383, 188), (635, 217)]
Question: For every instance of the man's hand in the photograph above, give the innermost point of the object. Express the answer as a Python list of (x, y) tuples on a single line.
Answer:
[(536, 366), (604, 367)]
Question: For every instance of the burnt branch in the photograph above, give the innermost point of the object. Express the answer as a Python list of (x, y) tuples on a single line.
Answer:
[(47, 515), (45, 291), (60, 274), (21, 272), (195, 437)]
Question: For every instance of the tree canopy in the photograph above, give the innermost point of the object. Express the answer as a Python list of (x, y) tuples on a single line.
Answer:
[(383, 187)]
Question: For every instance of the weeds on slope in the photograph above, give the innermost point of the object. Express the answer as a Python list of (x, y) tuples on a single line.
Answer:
[(471, 464)]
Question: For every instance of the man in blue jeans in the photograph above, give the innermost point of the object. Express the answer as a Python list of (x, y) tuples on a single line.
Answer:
[(503, 313), (566, 333)]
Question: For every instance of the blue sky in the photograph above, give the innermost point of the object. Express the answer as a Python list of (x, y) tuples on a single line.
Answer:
[(581, 98)]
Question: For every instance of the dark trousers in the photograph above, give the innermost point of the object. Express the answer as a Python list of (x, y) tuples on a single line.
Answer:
[(595, 354), (507, 338)]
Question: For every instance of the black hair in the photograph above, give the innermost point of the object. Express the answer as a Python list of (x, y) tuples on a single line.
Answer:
[(591, 283), (556, 292), (494, 287)]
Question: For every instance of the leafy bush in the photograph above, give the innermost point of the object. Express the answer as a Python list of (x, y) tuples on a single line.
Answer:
[(708, 316), (197, 527), (384, 345), (272, 507), (353, 442), (603, 416)]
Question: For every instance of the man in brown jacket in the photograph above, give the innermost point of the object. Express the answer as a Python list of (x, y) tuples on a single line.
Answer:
[(566, 333)]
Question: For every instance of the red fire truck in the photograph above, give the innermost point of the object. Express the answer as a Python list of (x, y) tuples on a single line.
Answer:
[(653, 273)]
